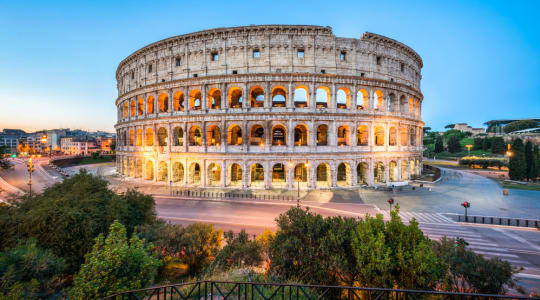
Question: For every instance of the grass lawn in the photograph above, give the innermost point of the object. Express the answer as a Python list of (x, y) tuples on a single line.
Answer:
[(529, 186), (101, 159)]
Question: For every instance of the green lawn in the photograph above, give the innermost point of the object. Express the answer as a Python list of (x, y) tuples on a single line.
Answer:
[(529, 187), (101, 159)]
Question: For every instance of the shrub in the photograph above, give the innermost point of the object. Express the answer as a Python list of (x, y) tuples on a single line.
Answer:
[(239, 251), (517, 166)]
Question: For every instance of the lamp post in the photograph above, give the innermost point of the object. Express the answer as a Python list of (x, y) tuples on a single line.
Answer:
[(469, 148), (466, 204), (390, 201), (30, 171)]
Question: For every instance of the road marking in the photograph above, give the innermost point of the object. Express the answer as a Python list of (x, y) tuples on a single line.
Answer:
[(517, 238), (10, 187), (213, 222)]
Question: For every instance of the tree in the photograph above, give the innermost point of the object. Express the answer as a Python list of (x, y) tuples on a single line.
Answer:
[(497, 145), (239, 251), (114, 265), (517, 167), (536, 152), (530, 162), (450, 126), (478, 143), (68, 216), (4, 163), (26, 263), (439, 147), (520, 125), (453, 144), (426, 130), (467, 271)]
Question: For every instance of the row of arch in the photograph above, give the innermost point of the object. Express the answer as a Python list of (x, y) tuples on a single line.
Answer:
[(408, 136), (301, 98), (255, 175)]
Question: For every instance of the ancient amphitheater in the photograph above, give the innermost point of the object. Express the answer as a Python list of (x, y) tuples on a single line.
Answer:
[(273, 106)]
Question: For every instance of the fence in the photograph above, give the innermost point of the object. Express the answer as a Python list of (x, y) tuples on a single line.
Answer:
[(499, 221), (229, 195), (215, 290)]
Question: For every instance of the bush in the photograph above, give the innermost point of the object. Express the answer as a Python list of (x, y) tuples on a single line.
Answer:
[(95, 155), (484, 162), (114, 265), (239, 251)]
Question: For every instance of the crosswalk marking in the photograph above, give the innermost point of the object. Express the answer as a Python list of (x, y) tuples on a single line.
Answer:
[(420, 217)]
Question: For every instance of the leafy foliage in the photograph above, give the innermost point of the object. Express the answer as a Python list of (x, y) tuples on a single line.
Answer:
[(497, 145), (239, 251), (4, 163), (453, 144), (27, 263), (520, 125), (439, 147), (530, 162), (517, 165), (115, 264)]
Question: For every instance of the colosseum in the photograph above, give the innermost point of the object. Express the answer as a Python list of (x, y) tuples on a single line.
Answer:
[(271, 106)]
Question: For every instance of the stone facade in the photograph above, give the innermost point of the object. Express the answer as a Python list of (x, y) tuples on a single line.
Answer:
[(270, 107)]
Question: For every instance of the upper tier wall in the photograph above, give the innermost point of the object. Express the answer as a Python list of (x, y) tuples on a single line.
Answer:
[(190, 55)]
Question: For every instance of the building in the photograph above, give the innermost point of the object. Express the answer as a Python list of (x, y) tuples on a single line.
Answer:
[(79, 145), (496, 126), (463, 127), (271, 106), (9, 138)]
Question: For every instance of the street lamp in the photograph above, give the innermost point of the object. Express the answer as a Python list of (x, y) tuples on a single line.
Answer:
[(469, 148), (390, 201), (30, 171), (466, 204)]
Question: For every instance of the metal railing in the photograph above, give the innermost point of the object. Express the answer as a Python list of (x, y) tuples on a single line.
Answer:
[(223, 290), (499, 221), (229, 195)]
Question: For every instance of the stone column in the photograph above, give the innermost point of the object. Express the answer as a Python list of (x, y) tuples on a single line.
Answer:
[(204, 100), (333, 174), (267, 95), (290, 97), (371, 180), (312, 97), (354, 174), (170, 102), (311, 174), (156, 104), (245, 175), (204, 172), (398, 177), (290, 136), (267, 175), (289, 175), (187, 99), (224, 173), (145, 103)]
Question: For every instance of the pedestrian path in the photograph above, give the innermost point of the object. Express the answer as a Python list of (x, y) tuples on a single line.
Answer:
[(477, 243), (436, 218)]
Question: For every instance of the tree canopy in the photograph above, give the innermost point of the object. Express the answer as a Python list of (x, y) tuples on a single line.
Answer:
[(520, 125)]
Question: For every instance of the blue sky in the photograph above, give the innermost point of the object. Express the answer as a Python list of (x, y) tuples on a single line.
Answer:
[(58, 58)]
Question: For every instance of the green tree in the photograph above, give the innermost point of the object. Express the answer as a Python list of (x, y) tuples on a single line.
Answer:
[(467, 271), (439, 147), (497, 145), (530, 162), (453, 144), (25, 263), (520, 125), (114, 265), (537, 160), (5, 164), (478, 143), (517, 167), (450, 126), (239, 251), (68, 216)]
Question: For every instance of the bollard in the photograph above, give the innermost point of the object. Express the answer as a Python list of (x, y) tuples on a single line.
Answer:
[(526, 223), (517, 221), (483, 221), (500, 221), (459, 218), (474, 219), (508, 221), (491, 220)]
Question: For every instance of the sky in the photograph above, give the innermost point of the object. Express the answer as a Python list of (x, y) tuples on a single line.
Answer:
[(58, 58)]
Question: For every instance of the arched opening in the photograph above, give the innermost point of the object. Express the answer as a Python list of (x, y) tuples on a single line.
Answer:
[(301, 135), (393, 105), (234, 135), (322, 97), (132, 106), (343, 136), (323, 175), (178, 136), (150, 105), (140, 107), (131, 137), (403, 137), (343, 98), (125, 167), (362, 173), (149, 170), (301, 173), (257, 175), (257, 135), (322, 135), (213, 136), (411, 106), (412, 171), (404, 170), (362, 135), (256, 97), (138, 169), (378, 172), (412, 137), (279, 96), (278, 174), (214, 99), (379, 136), (343, 174), (131, 168), (126, 109), (163, 172), (279, 135), (162, 137), (149, 137), (378, 100), (236, 175), (194, 174), (418, 170), (416, 108), (362, 100), (178, 101), (214, 174), (235, 97), (195, 100), (392, 137), (301, 97), (163, 102), (195, 136), (392, 171), (178, 172)]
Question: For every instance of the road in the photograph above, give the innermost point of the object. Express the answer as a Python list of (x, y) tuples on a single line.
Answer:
[(521, 247)]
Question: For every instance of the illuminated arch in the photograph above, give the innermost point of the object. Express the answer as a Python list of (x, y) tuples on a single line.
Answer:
[(301, 96), (379, 136), (378, 172), (343, 174), (133, 108), (403, 136), (378, 100), (149, 137), (279, 135), (257, 135), (301, 135), (392, 136), (343, 98), (234, 135), (404, 170), (162, 137), (279, 173), (131, 137), (343, 136), (235, 98), (301, 173), (178, 136), (163, 172), (322, 135), (178, 101), (214, 174), (149, 175), (213, 136), (362, 135), (392, 171), (195, 174), (256, 172), (195, 100), (138, 169), (140, 107), (214, 99), (150, 105), (322, 97), (256, 97), (235, 172), (323, 175), (279, 96), (362, 99), (163, 102), (177, 172), (195, 136), (362, 173)]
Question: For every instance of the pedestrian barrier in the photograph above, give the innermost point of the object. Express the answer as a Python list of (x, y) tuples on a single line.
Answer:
[(229, 195), (500, 221)]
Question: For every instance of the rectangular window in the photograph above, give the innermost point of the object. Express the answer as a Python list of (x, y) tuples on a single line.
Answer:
[(132, 75), (379, 59), (343, 55), (323, 71), (402, 67), (150, 68), (215, 56), (178, 61), (256, 53), (235, 72), (300, 53), (195, 75)]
